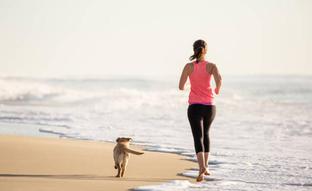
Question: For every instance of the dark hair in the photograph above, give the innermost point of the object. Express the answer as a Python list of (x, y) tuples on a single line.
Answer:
[(197, 48)]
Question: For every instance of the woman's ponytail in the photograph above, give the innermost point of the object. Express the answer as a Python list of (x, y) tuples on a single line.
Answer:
[(197, 48)]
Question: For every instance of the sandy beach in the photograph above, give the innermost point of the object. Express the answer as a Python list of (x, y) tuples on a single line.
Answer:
[(39, 163)]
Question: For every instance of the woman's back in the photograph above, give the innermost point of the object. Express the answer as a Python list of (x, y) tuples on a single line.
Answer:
[(201, 91)]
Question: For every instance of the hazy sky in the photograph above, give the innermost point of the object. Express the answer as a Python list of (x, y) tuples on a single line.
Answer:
[(153, 37)]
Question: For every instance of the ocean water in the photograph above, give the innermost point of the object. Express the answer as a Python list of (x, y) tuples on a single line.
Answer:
[(261, 137)]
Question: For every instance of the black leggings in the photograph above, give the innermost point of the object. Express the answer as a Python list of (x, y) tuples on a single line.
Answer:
[(200, 118)]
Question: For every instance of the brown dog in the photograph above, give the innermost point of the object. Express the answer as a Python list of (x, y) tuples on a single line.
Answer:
[(121, 155)]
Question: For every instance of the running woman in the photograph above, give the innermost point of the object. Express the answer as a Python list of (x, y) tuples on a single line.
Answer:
[(201, 110)]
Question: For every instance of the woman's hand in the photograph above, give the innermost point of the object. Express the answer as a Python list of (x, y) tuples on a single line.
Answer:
[(217, 90)]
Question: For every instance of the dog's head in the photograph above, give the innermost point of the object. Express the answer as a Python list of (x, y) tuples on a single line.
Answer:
[(123, 139)]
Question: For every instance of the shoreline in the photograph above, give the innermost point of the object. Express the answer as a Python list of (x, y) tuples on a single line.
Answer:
[(50, 163)]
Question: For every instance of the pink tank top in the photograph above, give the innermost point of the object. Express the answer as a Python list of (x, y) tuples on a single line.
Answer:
[(201, 92)]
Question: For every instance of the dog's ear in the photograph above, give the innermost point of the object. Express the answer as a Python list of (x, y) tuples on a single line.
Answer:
[(117, 140)]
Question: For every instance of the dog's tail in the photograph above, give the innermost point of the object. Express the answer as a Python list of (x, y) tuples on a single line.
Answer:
[(133, 152)]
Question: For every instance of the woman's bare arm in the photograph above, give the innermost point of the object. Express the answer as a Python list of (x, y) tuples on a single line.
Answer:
[(217, 77), (184, 75)]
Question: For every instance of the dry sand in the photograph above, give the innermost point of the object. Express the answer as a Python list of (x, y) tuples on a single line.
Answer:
[(36, 163)]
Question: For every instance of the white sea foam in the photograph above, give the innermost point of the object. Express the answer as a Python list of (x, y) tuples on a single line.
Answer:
[(175, 185), (11, 90)]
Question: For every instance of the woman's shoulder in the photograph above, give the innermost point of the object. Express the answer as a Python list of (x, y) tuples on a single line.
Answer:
[(210, 66), (189, 66)]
